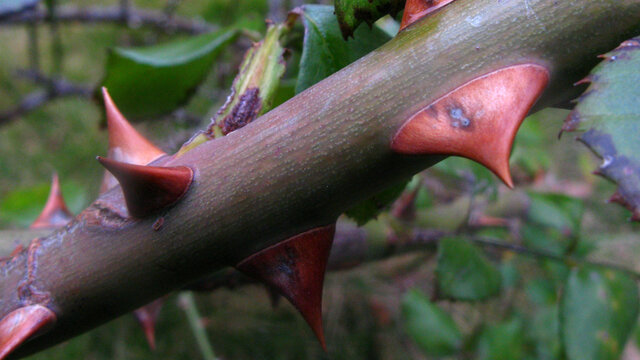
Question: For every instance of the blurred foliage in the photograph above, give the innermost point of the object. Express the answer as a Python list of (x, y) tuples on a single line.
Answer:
[(530, 295), (151, 81), (464, 273)]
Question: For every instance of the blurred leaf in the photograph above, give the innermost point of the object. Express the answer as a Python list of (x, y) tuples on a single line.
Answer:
[(155, 80), (504, 341), (368, 209), (599, 310), (541, 292), (467, 172), (609, 112), (9, 7), (22, 206), (430, 327), (464, 273), (530, 150), (545, 332), (553, 222), (351, 13), (324, 51)]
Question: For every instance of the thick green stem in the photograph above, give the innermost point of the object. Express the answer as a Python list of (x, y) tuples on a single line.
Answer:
[(305, 162)]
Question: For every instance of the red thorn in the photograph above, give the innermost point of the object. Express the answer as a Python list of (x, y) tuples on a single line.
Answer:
[(23, 324), (587, 80), (296, 267), (55, 213), (415, 10), (147, 317), (635, 216), (149, 188), (617, 198), (478, 120), (125, 143)]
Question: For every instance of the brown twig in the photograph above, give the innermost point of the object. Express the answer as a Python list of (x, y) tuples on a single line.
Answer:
[(133, 17), (53, 89)]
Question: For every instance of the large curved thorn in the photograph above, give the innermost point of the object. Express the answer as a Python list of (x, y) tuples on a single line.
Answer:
[(23, 324), (126, 144), (295, 267), (478, 120), (148, 189)]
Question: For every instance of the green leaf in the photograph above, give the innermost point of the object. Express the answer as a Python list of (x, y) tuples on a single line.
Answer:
[(599, 309), (370, 208), (351, 13), (155, 80), (504, 341), (22, 206), (9, 7), (324, 51), (464, 273), (609, 113), (553, 222), (430, 327), (545, 333)]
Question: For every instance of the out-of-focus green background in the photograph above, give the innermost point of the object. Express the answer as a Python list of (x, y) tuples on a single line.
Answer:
[(362, 307)]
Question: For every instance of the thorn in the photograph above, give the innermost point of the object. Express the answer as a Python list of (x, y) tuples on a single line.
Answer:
[(149, 188), (147, 317), (587, 80), (295, 267), (23, 324), (415, 10), (55, 213), (617, 198), (479, 120), (125, 143), (636, 216)]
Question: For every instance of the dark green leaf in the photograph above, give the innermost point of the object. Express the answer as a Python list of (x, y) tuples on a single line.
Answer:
[(155, 80), (429, 326), (351, 13), (609, 112), (370, 208), (553, 222), (464, 273), (503, 341), (599, 309), (324, 51), (545, 333), (8, 7)]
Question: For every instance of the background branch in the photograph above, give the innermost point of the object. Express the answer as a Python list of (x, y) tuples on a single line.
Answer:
[(133, 17)]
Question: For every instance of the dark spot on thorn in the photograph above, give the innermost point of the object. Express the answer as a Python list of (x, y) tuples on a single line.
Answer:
[(158, 224), (458, 118)]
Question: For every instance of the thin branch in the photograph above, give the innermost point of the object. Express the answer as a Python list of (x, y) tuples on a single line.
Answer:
[(133, 17), (545, 255), (53, 89)]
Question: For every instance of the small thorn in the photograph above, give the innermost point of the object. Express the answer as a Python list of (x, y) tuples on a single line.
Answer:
[(587, 80), (55, 213), (125, 143), (479, 120), (296, 267), (147, 317), (148, 189), (635, 216), (415, 10), (617, 198), (23, 324)]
